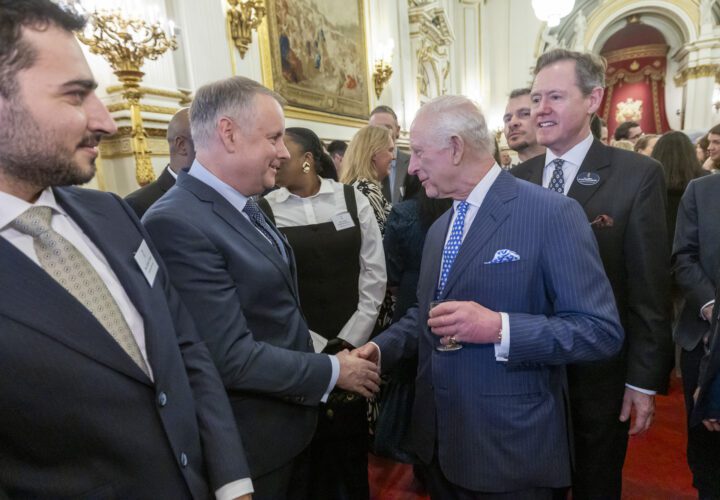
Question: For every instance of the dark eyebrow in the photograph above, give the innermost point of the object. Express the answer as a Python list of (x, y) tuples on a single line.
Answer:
[(86, 84)]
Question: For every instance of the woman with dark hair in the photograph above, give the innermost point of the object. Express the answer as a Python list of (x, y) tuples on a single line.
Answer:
[(341, 280), (676, 153)]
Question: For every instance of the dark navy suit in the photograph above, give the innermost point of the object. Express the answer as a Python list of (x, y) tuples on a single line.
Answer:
[(244, 299), (502, 426), (78, 417)]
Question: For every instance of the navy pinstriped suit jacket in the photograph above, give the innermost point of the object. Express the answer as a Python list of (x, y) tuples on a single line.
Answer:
[(502, 426)]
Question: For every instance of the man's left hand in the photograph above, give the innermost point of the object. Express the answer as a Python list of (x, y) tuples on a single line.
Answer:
[(467, 322), (642, 406)]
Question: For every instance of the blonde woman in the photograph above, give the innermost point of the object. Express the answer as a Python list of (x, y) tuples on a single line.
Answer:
[(366, 163)]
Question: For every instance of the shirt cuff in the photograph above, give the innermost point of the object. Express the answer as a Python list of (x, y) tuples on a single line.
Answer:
[(379, 351), (333, 378), (319, 342), (712, 302), (502, 349), (644, 391), (235, 489)]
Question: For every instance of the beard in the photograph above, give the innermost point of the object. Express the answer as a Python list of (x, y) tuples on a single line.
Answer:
[(520, 146), (38, 157)]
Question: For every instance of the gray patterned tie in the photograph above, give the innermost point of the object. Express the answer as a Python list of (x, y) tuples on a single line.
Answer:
[(557, 181), (61, 260)]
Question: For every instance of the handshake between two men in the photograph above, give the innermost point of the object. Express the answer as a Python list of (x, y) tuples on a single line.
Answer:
[(452, 321)]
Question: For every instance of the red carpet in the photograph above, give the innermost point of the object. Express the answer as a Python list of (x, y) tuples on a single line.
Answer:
[(655, 468)]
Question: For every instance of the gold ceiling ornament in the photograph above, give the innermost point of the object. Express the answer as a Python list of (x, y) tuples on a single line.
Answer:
[(243, 16), (126, 42)]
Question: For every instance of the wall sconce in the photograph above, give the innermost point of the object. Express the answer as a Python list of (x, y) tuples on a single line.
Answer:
[(243, 16), (383, 71), (126, 40)]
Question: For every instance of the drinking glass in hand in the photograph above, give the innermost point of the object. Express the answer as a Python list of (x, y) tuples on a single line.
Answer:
[(452, 344)]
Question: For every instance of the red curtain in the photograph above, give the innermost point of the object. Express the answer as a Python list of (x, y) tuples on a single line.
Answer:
[(635, 88)]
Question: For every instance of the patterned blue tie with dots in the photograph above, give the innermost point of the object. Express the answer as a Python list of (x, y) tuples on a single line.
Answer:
[(557, 181), (61, 260), (452, 247)]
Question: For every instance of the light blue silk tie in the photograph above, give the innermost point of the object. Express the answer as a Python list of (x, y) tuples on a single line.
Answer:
[(452, 247)]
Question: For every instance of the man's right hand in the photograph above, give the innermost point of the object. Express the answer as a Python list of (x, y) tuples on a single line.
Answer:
[(358, 375)]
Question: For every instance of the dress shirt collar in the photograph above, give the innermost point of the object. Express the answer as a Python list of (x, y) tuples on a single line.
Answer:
[(576, 155), (477, 195), (235, 198), (283, 194), (171, 172), (11, 206)]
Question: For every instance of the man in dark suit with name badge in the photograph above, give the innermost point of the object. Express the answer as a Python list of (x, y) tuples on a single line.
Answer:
[(511, 288), (106, 389), (623, 195)]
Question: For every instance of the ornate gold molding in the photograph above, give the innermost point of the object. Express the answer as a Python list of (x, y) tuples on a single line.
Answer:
[(119, 145), (637, 52), (622, 75), (607, 11), (184, 97), (148, 108), (699, 71)]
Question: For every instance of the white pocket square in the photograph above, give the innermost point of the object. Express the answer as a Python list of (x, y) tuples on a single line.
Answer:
[(504, 255)]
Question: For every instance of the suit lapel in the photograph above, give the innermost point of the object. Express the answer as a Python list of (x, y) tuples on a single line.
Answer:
[(47, 307), (534, 172), (244, 227), (595, 162), (166, 180), (432, 256), (491, 214)]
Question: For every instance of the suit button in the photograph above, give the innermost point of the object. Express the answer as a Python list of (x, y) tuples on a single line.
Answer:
[(183, 459), (162, 399), (330, 414), (299, 399), (310, 344)]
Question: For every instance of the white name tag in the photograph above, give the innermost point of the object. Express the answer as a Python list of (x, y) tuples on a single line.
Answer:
[(147, 263), (343, 221)]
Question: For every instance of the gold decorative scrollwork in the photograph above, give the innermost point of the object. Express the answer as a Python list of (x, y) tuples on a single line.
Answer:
[(699, 71)]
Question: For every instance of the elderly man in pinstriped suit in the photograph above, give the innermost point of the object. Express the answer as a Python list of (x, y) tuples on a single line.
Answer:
[(523, 292)]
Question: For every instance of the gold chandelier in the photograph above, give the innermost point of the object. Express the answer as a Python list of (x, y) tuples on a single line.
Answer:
[(126, 41)]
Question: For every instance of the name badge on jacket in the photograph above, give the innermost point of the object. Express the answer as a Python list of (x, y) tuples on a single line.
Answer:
[(343, 221), (147, 263)]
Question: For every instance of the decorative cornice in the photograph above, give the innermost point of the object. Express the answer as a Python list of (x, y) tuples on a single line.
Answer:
[(699, 71), (148, 108), (637, 52), (119, 145), (183, 96)]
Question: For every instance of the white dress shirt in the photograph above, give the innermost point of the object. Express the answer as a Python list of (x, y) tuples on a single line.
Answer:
[(291, 210), (238, 200), (11, 207), (573, 160)]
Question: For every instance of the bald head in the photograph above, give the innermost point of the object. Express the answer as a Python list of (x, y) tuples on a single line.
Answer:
[(182, 149)]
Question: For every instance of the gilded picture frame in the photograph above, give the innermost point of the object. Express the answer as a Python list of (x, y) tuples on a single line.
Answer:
[(314, 54)]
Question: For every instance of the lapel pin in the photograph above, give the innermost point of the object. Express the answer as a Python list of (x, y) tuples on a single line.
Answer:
[(587, 178)]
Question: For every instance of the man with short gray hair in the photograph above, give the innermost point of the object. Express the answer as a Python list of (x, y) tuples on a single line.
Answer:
[(623, 195), (511, 288), (393, 185), (236, 273)]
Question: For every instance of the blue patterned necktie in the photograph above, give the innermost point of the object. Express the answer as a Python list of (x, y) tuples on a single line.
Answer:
[(253, 211), (557, 181), (452, 247)]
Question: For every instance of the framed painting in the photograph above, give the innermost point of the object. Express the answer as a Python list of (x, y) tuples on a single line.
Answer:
[(314, 55)]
